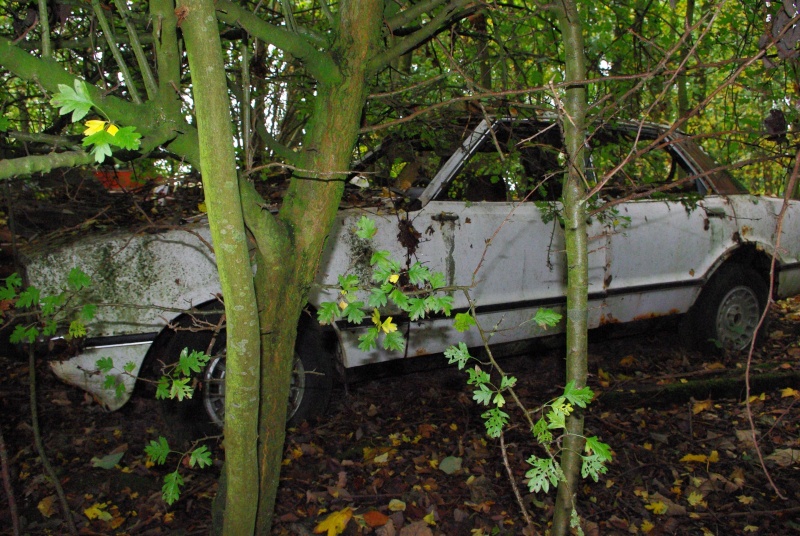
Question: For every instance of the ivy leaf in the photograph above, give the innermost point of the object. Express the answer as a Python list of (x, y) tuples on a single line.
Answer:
[(366, 228), (171, 490), (104, 364), (126, 138), (200, 457), (77, 279), (157, 450), (463, 322), (75, 100)]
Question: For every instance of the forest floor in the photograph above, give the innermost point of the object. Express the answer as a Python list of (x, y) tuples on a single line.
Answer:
[(404, 447)]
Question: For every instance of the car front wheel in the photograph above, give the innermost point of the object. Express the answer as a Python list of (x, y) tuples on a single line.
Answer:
[(728, 310)]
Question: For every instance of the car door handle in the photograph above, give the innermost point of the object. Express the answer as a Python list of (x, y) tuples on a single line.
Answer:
[(444, 216)]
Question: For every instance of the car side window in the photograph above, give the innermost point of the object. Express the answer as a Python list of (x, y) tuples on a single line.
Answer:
[(513, 165), (659, 168)]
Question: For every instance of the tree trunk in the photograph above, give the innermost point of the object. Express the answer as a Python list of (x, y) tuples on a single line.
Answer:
[(575, 236), (220, 184)]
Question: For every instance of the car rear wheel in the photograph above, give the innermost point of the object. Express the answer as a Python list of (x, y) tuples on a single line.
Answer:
[(204, 414), (728, 310)]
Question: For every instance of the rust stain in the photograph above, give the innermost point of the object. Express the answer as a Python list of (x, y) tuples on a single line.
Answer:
[(746, 230), (691, 272)]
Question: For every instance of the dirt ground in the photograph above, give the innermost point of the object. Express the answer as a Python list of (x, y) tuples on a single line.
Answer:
[(684, 457)]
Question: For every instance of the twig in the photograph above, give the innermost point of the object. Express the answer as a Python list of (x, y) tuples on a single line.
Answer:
[(37, 438), (12, 503), (513, 481)]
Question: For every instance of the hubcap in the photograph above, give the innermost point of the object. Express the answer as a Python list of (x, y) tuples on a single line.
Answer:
[(214, 389), (737, 318)]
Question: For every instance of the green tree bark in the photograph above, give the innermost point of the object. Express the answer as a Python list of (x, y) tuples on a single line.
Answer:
[(221, 188), (576, 241)]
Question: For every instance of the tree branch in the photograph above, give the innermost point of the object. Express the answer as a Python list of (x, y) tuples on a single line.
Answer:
[(13, 167), (319, 64), (450, 14), (136, 46), (123, 67)]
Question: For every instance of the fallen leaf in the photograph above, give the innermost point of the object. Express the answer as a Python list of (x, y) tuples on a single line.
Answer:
[(47, 506), (396, 505), (657, 507), (784, 457), (108, 461), (745, 499), (418, 528), (450, 465), (335, 523), (701, 406), (373, 519), (789, 392)]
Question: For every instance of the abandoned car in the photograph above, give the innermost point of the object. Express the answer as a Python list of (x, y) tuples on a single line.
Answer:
[(671, 233)]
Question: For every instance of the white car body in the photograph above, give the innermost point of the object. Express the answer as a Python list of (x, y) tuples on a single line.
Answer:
[(647, 258)]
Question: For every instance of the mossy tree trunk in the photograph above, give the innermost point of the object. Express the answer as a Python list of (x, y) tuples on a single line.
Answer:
[(576, 240)]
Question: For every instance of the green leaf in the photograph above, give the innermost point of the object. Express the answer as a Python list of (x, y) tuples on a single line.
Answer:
[(602, 450), (556, 420), (377, 298), (51, 303), (14, 280), (458, 354), (50, 327), (495, 420), (546, 318), (75, 100), (463, 322), (77, 329), (23, 333), (78, 280), (162, 388), (437, 280), (181, 389), (8, 293), (483, 394), (541, 433), (417, 308), (418, 274), (369, 340), (354, 312), (200, 457), (440, 304), (394, 341), (129, 367), (507, 382), (477, 376), (366, 228), (544, 473), (101, 152), (171, 491), (28, 298), (88, 311), (593, 466), (399, 298), (5, 124), (327, 313), (189, 362), (104, 364), (382, 260), (579, 397), (126, 138), (110, 383), (348, 283), (158, 450)]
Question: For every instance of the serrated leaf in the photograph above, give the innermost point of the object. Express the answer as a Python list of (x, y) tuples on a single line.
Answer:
[(104, 364), (543, 474), (77, 329), (602, 450), (354, 312), (171, 490), (200, 456), (335, 523), (394, 341), (75, 100), (437, 280), (365, 228), (416, 308), (483, 394), (129, 367), (5, 124), (369, 340), (181, 389), (377, 298), (457, 354), (78, 279), (88, 311), (546, 318), (579, 397), (327, 313), (189, 362), (399, 298), (162, 388), (463, 322), (126, 138), (28, 298), (23, 333), (14, 280), (418, 274), (158, 450)]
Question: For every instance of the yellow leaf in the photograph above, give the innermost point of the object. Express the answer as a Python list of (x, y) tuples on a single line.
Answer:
[(648, 446), (93, 126), (381, 458), (169, 517), (45, 506), (701, 406), (202, 207), (342, 304), (96, 511), (335, 523), (657, 507), (789, 392), (376, 318), (745, 499), (713, 457), (647, 526), (694, 458), (112, 128), (117, 522), (430, 519), (396, 505), (388, 326), (394, 278), (695, 499), (750, 528)]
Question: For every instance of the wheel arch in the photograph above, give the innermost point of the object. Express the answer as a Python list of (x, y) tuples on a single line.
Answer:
[(749, 255)]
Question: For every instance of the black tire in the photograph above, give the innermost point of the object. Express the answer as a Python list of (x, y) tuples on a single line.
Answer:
[(203, 415), (728, 310)]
